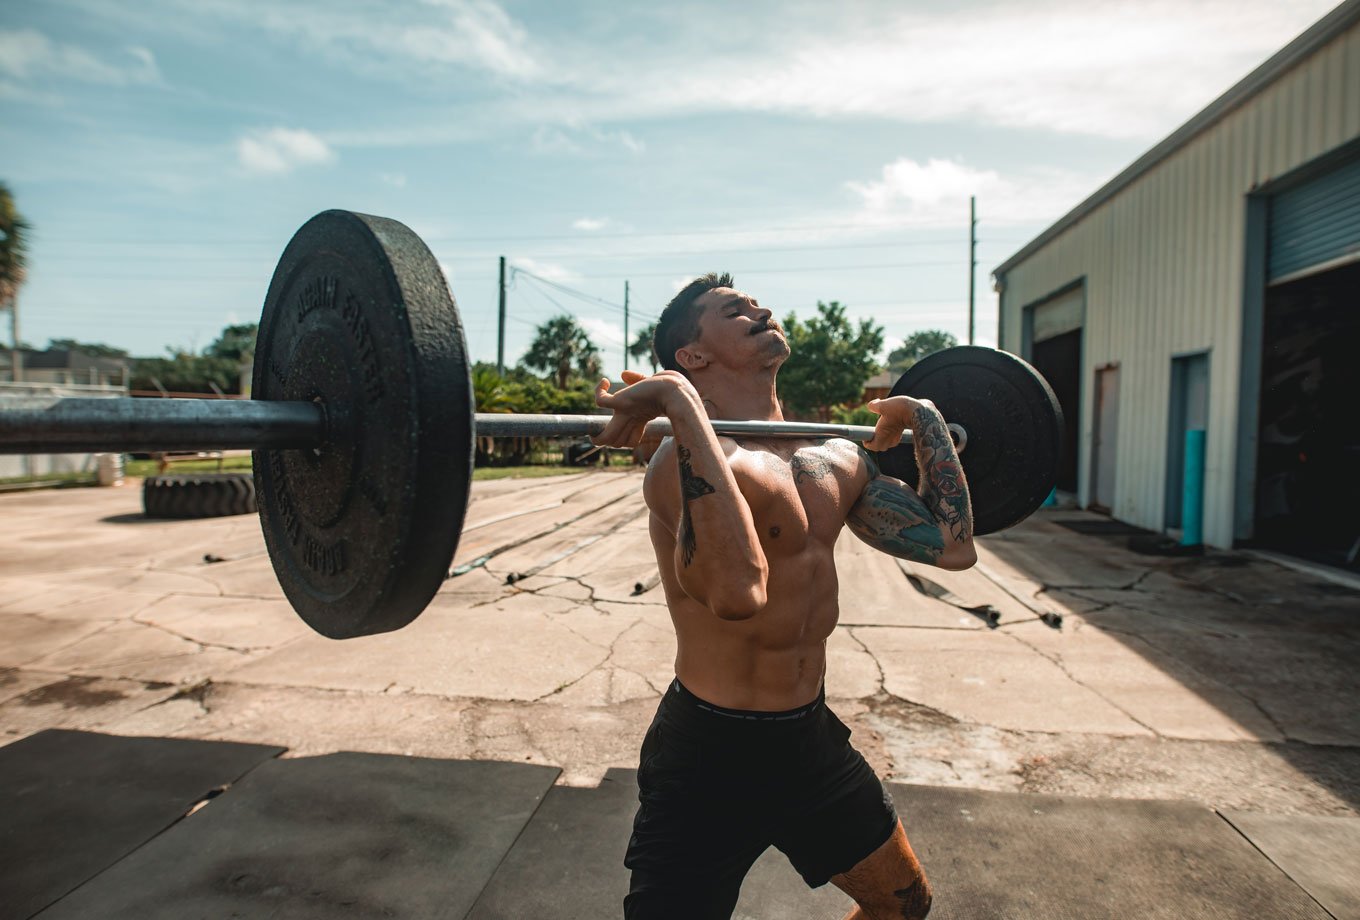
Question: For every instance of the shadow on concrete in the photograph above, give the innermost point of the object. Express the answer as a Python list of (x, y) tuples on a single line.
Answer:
[(1267, 646), (110, 826), (131, 518)]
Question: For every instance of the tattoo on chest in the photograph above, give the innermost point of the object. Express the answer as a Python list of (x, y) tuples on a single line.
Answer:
[(691, 487), (809, 466)]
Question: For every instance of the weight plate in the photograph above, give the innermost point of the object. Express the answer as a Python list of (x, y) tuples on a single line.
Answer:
[(362, 530), (1014, 426)]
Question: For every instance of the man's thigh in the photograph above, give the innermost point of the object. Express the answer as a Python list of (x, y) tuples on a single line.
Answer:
[(889, 882)]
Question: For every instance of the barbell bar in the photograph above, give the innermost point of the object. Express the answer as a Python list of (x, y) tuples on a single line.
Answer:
[(363, 426), (121, 425)]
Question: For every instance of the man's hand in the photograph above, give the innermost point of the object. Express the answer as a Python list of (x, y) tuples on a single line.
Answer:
[(895, 415), (642, 399)]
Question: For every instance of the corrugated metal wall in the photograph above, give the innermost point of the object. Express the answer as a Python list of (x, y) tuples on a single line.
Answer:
[(1163, 262)]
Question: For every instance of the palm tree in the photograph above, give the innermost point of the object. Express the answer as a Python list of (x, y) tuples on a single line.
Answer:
[(560, 346), (13, 267), (642, 345)]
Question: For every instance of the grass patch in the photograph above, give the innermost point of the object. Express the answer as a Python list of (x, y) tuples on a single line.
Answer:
[(144, 468), (483, 473), (54, 480)]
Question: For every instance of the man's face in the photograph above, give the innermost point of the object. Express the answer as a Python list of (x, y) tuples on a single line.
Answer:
[(735, 330)]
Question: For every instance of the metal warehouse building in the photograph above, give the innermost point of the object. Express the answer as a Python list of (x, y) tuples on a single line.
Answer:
[(1214, 286)]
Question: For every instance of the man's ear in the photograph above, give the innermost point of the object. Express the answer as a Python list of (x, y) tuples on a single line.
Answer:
[(690, 359)]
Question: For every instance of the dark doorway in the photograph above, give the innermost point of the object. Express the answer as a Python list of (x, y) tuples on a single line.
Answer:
[(1307, 488), (1059, 360)]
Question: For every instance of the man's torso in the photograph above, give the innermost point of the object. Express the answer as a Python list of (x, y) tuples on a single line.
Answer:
[(799, 493)]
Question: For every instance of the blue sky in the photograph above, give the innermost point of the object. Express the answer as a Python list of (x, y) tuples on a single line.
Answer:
[(165, 150)]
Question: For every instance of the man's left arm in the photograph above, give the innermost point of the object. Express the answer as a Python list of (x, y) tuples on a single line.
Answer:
[(934, 523)]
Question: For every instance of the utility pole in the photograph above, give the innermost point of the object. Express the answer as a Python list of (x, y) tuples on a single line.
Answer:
[(972, 260), (625, 325), (500, 332)]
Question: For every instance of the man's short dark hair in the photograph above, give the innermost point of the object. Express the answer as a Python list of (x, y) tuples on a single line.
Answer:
[(679, 322)]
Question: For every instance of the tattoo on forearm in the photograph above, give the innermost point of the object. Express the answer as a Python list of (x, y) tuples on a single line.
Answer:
[(691, 487), (942, 485), (894, 519)]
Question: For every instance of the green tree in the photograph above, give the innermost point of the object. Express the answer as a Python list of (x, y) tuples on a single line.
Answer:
[(236, 343), (917, 346), (831, 358), (641, 349), (13, 268), (492, 392), (93, 349), (561, 346)]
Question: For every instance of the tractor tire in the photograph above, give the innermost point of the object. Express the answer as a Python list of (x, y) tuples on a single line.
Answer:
[(199, 496)]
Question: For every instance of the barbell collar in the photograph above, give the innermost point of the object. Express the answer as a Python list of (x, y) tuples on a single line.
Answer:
[(123, 425)]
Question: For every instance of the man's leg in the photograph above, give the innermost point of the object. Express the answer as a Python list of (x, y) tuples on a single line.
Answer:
[(888, 883)]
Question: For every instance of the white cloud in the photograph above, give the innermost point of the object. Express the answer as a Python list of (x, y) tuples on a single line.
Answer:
[(396, 180), (281, 150), (590, 223), (27, 54), (935, 193), (606, 334), (1112, 70), (550, 270)]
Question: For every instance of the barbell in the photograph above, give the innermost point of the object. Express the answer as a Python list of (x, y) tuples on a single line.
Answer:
[(362, 425)]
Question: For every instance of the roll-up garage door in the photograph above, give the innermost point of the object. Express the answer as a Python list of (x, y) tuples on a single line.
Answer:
[(1315, 226)]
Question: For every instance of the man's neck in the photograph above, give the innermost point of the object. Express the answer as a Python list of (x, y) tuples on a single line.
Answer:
[(729, 394)]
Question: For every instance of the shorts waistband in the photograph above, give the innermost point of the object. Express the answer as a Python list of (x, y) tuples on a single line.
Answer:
[(681, 693)]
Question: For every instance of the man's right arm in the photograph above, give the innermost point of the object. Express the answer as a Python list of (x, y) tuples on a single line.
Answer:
[(690, 487)]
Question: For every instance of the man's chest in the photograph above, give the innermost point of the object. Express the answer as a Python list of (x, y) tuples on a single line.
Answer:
[(797, 492)]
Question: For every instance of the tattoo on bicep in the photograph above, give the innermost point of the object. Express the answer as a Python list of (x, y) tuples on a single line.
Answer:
[(895, 520), (691, 487), (942, 484), (870, 459)]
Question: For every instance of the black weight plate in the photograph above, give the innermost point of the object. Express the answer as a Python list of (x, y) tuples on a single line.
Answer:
[(359, 317), (1014, 426)]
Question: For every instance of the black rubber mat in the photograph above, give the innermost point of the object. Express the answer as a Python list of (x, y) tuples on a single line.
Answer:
[(568, 863), (1321, 854), (344, 835), (74, 803), (994, 855)]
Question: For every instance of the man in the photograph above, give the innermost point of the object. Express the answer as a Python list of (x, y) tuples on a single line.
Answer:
[(743, 752)]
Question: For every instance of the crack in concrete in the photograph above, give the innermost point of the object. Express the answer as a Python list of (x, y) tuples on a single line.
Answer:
[(58, 650), (1284, 735), (202, 644), (1058, 662), (495, 551), (882, 679)]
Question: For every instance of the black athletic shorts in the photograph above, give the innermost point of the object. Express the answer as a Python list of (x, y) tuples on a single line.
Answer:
[(718, 786)]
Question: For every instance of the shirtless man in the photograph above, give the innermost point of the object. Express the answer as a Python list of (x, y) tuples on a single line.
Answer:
[(743, 752)]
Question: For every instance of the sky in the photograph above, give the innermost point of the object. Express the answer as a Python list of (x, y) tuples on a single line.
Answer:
[(166, 150)]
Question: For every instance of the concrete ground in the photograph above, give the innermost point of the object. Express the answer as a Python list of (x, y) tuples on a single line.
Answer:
[(1227, 680)]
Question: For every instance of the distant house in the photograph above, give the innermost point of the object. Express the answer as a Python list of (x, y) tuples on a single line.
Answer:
[(879, 385), (61, 366)]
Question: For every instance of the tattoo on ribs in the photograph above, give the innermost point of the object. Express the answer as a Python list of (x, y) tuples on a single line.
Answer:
[(691, 487), (942, 485)]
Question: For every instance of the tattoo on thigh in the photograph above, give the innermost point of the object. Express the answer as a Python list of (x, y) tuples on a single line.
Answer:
[(691, 487), (914, 900)]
